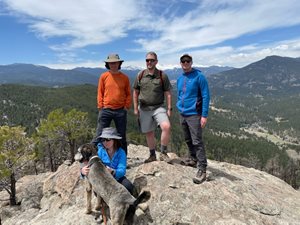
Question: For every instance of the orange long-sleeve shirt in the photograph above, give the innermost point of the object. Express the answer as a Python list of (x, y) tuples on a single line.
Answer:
[(113, 91)]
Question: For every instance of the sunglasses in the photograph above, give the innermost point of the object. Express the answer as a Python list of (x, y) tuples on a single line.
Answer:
[(150, 60), (106, 139), (185, 61)]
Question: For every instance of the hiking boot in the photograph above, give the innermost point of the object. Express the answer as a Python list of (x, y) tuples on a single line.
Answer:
[(163, 156), (150, 159), (200, 177)]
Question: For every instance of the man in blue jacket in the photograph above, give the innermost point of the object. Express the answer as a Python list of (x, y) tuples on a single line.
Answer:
[(193, 104)]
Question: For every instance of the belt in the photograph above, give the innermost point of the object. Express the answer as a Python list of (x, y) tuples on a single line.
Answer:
[(114, 109)]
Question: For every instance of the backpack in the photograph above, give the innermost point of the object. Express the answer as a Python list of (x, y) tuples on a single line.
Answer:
[(160, 77)]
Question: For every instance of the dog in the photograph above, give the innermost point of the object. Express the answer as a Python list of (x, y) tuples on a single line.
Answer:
[(121, 203)]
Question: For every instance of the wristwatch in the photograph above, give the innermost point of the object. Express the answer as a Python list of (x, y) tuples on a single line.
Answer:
[(170, 109)]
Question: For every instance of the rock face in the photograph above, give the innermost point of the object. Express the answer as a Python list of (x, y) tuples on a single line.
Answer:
[(231, 195)]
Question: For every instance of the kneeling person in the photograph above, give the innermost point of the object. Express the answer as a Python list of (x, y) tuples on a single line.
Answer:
[(113, 157)]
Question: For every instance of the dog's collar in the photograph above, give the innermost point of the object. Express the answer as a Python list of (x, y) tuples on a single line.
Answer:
[(91, 161)]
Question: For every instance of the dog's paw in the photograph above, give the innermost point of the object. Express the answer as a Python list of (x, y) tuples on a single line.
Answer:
[(143, 206)]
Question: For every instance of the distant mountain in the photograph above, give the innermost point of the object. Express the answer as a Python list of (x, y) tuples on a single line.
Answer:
[(269, 76), (43, 76), (94, 71), (207, 71), (172, 73), (131, 72)]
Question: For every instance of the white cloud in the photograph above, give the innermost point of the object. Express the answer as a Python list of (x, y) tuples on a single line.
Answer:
[(236, 57), (218, 21), (85, 23), (221, 56), (168, 27)]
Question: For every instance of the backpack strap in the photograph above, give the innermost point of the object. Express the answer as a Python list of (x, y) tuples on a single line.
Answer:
[(161, 79), (140, 76)]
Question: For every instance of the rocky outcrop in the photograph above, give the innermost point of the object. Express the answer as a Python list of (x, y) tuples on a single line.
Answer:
[(231, 195)]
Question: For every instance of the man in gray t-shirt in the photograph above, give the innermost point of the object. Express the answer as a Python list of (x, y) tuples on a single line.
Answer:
[(150, 88)]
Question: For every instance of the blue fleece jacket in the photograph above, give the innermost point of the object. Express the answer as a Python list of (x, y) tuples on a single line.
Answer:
[(118, 162), (192, 94)]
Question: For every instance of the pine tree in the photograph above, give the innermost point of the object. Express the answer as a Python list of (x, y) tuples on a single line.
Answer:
[(17, 150), (60, 134)]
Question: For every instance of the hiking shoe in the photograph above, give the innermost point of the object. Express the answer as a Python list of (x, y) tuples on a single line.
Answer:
[(200, 177), (150, 159), (163, 156)]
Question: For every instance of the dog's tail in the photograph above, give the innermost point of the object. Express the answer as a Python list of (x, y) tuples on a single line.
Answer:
[(143, 197)]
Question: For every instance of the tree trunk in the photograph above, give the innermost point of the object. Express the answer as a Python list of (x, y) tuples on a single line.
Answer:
[(12, 190), (51, 159), (72, 149)]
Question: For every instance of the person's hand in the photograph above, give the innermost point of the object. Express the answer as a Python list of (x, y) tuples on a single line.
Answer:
[(85, 170), (203, 121), (136, 112)]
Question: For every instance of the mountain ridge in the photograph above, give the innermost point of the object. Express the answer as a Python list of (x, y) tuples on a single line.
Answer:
[(42, 76), (273, 74), (37, 75), (267, 76)]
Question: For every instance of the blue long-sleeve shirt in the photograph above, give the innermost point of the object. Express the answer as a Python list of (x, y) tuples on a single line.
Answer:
[(118, 161), (192, 88)]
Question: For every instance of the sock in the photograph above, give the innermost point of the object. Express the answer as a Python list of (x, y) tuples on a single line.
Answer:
[(163, 148), (152, 152)]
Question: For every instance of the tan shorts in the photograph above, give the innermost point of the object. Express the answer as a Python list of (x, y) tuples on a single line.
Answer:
[(150, 119)]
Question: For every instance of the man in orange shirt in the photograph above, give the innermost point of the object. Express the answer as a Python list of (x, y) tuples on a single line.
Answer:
[(114, 98)]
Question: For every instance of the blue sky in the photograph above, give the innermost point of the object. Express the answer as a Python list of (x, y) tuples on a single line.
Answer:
[(72, 33)]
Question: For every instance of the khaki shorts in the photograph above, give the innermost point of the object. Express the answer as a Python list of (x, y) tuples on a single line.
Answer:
[(150, 119)]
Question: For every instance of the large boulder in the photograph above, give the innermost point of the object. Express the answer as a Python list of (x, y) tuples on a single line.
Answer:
[(232, 194)]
